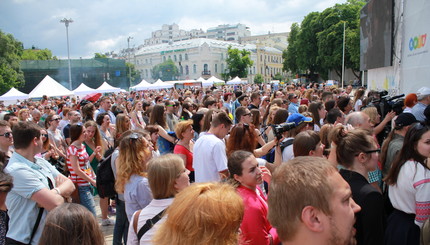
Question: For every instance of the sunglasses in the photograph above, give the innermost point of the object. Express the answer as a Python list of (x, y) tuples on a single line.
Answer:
[(7, 134), (56, 119), (171, 105), (247, 114), (44, 135)]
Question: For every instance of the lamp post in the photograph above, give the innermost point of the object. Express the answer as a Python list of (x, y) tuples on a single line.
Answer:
[(67, 22), (343, 53), (129, 59)]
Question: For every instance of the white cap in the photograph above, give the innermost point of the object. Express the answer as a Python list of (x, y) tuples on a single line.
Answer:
[(423, 92)]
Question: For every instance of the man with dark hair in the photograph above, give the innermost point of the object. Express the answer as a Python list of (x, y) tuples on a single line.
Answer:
[(293, 107), (210, 103), (326, 96), (335, 116), (320, 205), (74, 117), (11, 118), (255, 101), (344, 103), (210, 159), (37, 186), (105, 106), (171, 118)]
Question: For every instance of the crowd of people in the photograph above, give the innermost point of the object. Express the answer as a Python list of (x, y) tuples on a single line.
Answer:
[(249, 164)]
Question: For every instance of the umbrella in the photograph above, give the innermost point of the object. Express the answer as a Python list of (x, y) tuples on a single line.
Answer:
[(92, 97)]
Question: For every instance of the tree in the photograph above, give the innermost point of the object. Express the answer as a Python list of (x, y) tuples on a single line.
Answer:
[(10, 57), (307, 41), (278, 76), (258, 79), (238, 62), (131, 69), (99, 56), (37, 54), (290, 55), (165, 71)]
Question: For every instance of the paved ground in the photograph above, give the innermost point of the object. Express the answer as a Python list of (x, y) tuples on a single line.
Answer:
[(107, 230)]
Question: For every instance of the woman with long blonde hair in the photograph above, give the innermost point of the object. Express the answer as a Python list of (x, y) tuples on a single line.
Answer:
[(131, 179)]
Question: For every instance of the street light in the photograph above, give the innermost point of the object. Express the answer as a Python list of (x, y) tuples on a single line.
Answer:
[(343, 53), (129, 60), (66, 22)]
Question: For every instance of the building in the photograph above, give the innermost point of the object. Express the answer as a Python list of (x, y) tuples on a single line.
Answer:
[(274, 40), (206, 57), (232, 33), (172, 33)]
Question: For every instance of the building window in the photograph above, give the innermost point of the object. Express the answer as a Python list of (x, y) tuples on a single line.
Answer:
[(187, 70), (222, 68), (174, 57), (186, 56), (216, 68), (180, 57), (194, 68), (205, 67)]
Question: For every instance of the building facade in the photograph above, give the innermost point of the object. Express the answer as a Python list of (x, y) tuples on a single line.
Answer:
[(205, 57)]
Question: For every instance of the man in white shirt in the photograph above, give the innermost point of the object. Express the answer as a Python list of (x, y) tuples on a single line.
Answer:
[(210, 159)]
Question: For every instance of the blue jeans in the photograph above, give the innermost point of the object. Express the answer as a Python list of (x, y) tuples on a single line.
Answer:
[(87, 199), (121, 223)]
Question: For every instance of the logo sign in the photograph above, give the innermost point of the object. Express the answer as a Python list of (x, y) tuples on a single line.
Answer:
[(417, 42)]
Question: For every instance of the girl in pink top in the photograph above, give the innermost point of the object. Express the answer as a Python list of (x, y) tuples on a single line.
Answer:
[(247, 175)]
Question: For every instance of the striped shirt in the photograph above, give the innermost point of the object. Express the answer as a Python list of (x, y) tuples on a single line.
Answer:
[(83, 161)]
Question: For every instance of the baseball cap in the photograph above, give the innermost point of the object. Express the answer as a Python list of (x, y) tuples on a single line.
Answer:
[(422, 92), (405, 119), (298, 118)]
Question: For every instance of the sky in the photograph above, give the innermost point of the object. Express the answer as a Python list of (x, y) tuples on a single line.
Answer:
[(101, 26)]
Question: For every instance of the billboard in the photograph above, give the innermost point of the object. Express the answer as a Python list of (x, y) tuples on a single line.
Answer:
[(376, 35)]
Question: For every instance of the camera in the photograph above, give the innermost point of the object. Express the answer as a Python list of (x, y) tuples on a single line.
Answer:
[(279, 129)]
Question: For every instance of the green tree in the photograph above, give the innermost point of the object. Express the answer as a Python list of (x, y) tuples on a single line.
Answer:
[(330, 39), (99, 56), (290, 55), (224, 76), (166, 71), (37, 54), (238, 62), (278, 76), (10, 57), (307, 41), (135, 75), (258, 79)]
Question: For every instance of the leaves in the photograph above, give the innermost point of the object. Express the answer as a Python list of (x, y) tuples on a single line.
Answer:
[(238, 62), (10, 57), (166, 71)]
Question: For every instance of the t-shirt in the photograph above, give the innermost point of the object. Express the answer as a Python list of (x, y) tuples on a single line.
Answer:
[(209, 158), (180, 149), (83, 162)]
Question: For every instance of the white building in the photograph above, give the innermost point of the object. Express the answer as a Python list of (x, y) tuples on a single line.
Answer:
[(205, 57), (172, 33), (228, 32)]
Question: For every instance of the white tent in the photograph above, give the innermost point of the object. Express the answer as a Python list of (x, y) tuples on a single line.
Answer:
[(83, 90), (234, 81), (143, 85), (106, 88), (201, 79), (50, 88), (211, 81), (161, 85), (13, 94)]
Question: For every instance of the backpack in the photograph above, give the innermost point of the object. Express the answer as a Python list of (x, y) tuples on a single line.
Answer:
[(105, 178), (270, 157)]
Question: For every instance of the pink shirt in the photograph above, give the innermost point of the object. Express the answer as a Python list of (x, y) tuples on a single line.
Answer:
[(255, 227)]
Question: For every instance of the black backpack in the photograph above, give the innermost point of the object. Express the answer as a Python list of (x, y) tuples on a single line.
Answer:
[(105, 178)]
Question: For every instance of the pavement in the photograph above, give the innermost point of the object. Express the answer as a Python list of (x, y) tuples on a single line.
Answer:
[(107, 230)]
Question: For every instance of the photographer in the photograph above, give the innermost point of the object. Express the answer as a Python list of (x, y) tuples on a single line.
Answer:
[(300, 124)]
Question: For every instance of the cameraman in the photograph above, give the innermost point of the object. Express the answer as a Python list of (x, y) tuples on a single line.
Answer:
[(301, 124)]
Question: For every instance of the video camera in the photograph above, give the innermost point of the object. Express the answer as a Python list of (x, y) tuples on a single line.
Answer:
[(387, 103), (279, 129)]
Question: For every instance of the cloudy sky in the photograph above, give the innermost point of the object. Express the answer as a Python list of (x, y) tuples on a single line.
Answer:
[(104, 25)]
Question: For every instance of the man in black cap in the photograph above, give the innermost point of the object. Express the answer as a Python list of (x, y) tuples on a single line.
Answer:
[(395, 139)]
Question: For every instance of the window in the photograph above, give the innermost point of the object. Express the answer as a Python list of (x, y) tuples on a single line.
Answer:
[(187, 70), (180, 57), (194, 68), (186, 56), (216, 68), (174, 57), (205, 67)]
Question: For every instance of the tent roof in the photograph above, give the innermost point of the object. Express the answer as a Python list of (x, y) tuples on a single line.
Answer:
[(143, 85), (50, 88), (200, 79), (83, 89), (160, 85), (106, 88), (14, 94)]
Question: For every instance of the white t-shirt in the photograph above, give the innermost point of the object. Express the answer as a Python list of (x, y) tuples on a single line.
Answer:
[(411, 194), (209, 158), (287, 153), (358, 105)]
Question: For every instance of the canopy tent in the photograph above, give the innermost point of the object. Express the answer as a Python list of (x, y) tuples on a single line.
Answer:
[(161, 85), (235, 81), (106, 88), (211, 81), (83, 90), (50, 88), (200, 79), (13, 94), (143, 85)]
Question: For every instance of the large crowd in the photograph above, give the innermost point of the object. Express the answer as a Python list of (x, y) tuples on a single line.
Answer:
[(243, 164)]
